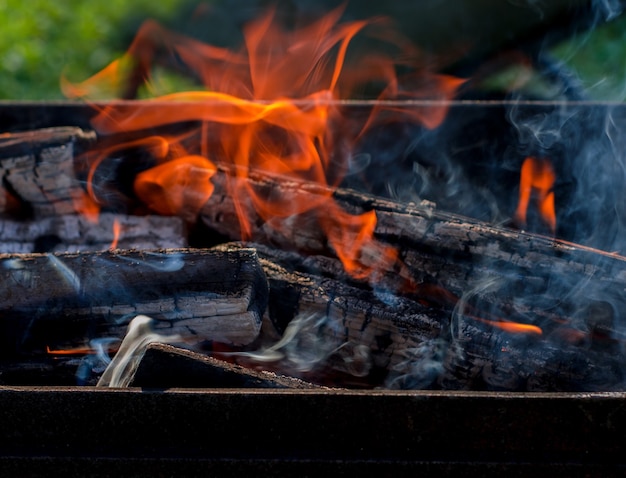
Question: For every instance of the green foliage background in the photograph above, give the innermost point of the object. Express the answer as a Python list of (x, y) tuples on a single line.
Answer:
[(42, 39)]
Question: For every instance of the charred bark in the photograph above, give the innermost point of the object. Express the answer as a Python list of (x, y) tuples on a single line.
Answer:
[(504, 273), (74, 233), (357, 331), (556, 308), (37, 169), (52, 302)]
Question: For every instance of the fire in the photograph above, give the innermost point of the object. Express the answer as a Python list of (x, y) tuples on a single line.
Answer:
[(270, 107), (117, 231), (178, 187), (537, 180), (514, 327)]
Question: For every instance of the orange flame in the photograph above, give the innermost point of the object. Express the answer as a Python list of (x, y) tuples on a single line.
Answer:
[(117, 231), (76, 351), (271, 106), (537, 178), (177, 187), (513, 327)]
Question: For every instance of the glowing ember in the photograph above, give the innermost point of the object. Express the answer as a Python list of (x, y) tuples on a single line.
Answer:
[(272, 106), (537, 181)]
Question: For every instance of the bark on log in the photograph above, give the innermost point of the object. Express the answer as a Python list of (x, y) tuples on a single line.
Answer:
[(34, 141), (60, 301), (504, 273), (482, 358), (74, 233), (439, 348), (37, 170), (548, 302), (357, 331)]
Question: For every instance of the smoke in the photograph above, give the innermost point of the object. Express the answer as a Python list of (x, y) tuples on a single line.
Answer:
[(140, 334), (308, 343), (608, 9), (421, 369)]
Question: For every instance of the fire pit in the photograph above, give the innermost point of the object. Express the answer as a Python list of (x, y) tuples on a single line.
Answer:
[(568, 433), (258, 230)]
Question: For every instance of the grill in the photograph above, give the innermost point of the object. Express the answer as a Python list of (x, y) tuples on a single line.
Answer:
[(75, 430), (282, 433), (314, 432)]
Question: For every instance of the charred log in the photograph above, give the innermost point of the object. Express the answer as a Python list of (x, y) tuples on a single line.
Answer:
[(37, 169), (54, 302), (507, 274), (73, 233), (555, 307), (482, 358), (35, 141), (357, 331), (455, 349)]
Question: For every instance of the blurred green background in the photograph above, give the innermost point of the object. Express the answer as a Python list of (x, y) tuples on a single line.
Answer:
[(40, 40)]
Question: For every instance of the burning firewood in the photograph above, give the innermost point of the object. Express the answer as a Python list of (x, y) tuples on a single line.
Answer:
[(442, 257), (74, 233), (46, 208), (37, 168), (51, 303), (358, 330), (533, 296)]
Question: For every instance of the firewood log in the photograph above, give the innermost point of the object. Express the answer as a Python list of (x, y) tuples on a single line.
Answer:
[(74, 233), (479, 357), (537, 298), (444, 257), (16, 144), (358, 331), (37, 168), (60, 301), (454, 349)]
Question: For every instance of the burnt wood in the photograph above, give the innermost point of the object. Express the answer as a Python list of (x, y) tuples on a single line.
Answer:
[(37, 169), (339, 326), (526, 312), (33, 141), (508, 273), (59, 301), (74, 233)]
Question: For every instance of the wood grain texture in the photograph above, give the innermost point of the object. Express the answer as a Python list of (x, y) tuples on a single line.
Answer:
[(56, 300)]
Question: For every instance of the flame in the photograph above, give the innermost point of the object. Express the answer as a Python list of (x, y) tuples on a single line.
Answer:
[(117, 231), (178, 187), (537, 179), (85, 205), (513, 327), (271, 106), (77, 351)]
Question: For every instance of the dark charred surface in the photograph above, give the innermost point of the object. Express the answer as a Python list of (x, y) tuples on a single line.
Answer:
[(164, 367), (95, 294)]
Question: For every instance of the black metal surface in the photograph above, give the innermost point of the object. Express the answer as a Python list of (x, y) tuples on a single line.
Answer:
[(103, 432)]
